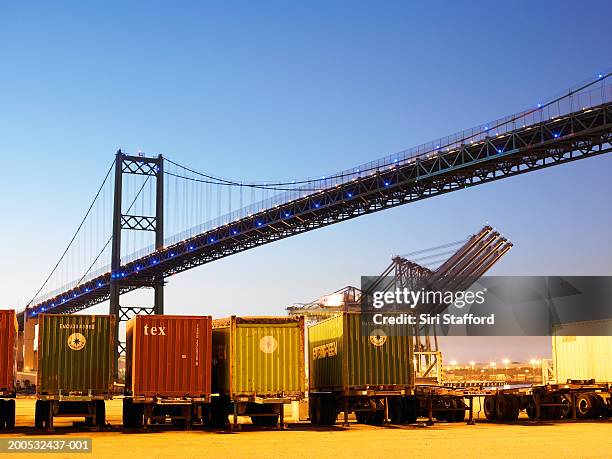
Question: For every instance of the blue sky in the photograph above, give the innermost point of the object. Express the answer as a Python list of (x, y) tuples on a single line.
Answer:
[(286, 89)]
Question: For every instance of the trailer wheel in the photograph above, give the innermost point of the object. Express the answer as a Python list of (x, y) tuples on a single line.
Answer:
[(530, 409), (584, 406), (327, 410), (128, 415), (9, 420), (376, 418), (2, 414), (41, 414), (460, 414), (362, 417), (489, 406), (396, 410), (443, 415), (100, 413), (219, 411), (599, 406), (515, 408), (410, 410)]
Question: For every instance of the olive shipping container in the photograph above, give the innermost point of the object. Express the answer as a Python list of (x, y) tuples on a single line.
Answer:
[(169, 356), (259, 356), (583, 350), (76, 354), (8, 343), (342, 360)]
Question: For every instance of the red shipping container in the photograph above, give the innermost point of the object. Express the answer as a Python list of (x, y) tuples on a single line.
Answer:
[(168, 356), (8, 348)]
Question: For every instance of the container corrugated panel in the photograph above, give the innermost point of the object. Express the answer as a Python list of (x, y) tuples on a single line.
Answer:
[(76, 354), (340, 358), (169, 356), (583, 350), (8, 338), (259, 356)]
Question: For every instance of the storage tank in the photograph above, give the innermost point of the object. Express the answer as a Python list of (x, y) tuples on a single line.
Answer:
[(8, 350), (168, 356), (76, 354), (583, 350), (342, 360), (259, 356)]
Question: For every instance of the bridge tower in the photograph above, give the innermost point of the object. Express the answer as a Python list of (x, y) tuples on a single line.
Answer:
[(151, 167)]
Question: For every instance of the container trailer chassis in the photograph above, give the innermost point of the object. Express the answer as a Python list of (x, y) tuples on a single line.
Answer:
[(370, 405), (142, 411), (7, 408), (573, 400), (91, 407)]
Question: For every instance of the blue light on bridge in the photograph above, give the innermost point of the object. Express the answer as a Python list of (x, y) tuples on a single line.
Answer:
[(486, 128), (317, 205), (387, 184), (600, 76), (259, 223), (212, 239), (350, 195), (234, 231), (499, 150), (87, 290), (287, 214), (555, 135), (172, 254), (154, 262), (42, 309), (539, 105), (190, 247), (99, 284)]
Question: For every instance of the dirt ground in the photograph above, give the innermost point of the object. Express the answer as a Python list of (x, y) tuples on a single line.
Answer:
[(524, 439)]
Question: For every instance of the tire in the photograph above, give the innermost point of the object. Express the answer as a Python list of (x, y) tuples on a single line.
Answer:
[(410, 410), (599, 407), (219, 412), (41, 416), (396, 411), (128, 415), (313, 411), (376, 418), (531, 410), (100, 419), (3, 414), (515, 408), (446, 402), (489, 407), (460, 414), (362, 417), (584, 406), (328, 412), (503, 406)]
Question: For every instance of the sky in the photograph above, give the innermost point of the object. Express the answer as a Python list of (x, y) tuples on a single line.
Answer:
[(259, 90)]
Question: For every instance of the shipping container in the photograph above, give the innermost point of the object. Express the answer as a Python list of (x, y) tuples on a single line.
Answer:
[(8, 367), (168, 370), (168, 356), (583, 351), (258, 366), (76, 362), (341, 358), (259, 356), (76, 354), (8, 351), (350, 370)]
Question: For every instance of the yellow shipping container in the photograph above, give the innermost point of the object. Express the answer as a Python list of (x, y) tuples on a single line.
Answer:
[(583, 350)]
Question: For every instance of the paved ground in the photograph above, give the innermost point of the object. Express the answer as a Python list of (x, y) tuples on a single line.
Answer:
[(550, 440)]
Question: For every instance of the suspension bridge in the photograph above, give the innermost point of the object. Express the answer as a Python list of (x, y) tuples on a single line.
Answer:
[(142, 199)]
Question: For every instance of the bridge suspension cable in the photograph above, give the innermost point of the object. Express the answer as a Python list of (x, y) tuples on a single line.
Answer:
[(74, 236)]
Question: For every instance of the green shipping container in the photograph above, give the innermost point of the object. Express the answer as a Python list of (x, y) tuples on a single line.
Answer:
[(258, 357), (341, 359), (75, 354)]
